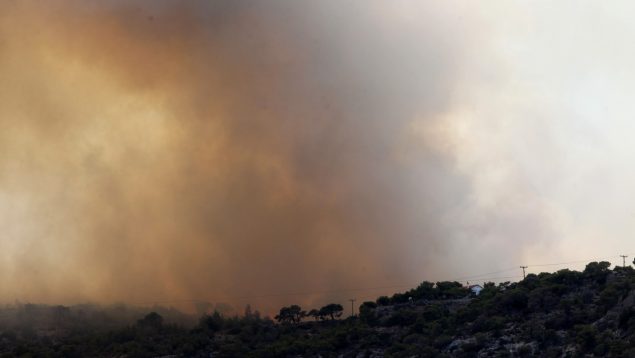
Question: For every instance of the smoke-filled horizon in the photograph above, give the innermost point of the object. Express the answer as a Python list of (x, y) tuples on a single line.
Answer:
[(156, 150)]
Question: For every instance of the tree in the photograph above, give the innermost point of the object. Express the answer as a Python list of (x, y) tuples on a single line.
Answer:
[(597, 267), (424, 291), (314, 313), (291, 314), (61, 314), (213, 323), (597, 271), (332, 310), (250, 314), (151, 320), (449, 290), (367, 311)]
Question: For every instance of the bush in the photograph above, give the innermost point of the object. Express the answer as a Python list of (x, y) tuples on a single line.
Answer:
[(586, 337), (367, 312)]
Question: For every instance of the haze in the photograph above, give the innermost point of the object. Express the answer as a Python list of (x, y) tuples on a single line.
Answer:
[(238, 151)]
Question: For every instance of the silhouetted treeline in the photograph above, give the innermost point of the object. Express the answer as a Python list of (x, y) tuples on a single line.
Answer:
[(567, 313), (44, 318)]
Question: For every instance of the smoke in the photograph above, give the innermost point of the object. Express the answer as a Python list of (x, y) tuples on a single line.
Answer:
[(209, 150)]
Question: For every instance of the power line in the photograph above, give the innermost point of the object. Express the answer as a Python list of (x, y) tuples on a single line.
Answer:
[(290, 294), (489, 279), (573, 262), (483, 274), (479, 277)]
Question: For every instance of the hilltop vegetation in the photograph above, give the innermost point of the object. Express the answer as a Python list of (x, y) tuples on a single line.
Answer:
[(561, 314)]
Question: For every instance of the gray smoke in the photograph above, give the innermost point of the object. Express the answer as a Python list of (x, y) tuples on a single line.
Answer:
[(156, 151)]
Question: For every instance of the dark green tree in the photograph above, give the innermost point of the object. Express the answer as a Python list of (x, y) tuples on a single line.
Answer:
[(151, 320), (332, 310), (291, 314), (315, 314), (213, 323)]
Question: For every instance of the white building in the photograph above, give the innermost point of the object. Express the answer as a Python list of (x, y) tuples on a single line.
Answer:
[(476, 289)]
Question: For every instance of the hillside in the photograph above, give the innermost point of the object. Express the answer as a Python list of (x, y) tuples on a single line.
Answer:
[(562, 314)]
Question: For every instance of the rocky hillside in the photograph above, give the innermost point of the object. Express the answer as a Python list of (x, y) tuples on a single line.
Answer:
[(562, 314)]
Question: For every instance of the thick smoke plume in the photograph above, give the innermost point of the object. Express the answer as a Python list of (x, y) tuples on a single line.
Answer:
[(213, 150)]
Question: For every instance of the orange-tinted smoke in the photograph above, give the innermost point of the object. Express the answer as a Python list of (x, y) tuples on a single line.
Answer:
[(157, 151)]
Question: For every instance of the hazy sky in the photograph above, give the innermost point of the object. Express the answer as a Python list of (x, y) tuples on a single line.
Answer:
[(159, 150)]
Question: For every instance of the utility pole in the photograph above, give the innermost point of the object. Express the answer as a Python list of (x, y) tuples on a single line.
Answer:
[(352, 309), (523, 267), (623, 260)]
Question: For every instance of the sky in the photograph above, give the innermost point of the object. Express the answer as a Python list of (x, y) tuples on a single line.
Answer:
[(278, 152)]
